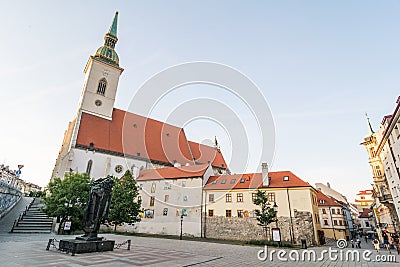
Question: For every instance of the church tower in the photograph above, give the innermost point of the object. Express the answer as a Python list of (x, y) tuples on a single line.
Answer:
[(102, 74)]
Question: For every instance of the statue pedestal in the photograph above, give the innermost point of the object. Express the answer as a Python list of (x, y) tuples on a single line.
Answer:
[(83, 246)]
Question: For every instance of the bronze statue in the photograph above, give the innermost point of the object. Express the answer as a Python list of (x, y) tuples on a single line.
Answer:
[(97, 208)]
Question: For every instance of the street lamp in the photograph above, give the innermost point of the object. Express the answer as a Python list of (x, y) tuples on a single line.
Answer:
[(276, 213), (68, 206), (276, 218)]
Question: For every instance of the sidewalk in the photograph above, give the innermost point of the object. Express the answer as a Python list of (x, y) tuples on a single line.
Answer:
[(7, 221)]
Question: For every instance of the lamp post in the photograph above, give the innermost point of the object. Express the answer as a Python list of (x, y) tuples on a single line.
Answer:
[(180, 237), (276, 219), (68, 206), (276, 213)]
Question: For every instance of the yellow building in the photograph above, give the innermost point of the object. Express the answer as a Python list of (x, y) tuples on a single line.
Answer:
[(230, 209)]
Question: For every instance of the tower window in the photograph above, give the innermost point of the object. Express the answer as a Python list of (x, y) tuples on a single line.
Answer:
[(101, 88), (89, 167)]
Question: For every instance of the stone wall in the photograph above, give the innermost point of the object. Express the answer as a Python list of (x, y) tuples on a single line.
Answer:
[(9, 196), (245, 229)]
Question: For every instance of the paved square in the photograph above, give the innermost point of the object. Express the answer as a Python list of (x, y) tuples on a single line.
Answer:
[(29, 250)]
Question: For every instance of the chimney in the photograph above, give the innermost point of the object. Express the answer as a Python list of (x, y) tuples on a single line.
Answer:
[(264, 173)]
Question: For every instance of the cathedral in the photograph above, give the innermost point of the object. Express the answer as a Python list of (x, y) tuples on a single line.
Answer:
[(102, 140)]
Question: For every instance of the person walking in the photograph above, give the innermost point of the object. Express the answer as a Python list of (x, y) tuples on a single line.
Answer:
[(386, 241), (358, 242), (352, 243), (396, 245), (375, 242)]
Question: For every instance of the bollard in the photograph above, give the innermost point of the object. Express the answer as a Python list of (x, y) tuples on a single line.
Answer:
[(303, 244), (129, 244), (48, 244)]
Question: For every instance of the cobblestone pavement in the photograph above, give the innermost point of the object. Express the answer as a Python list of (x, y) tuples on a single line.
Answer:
[(29, 250)]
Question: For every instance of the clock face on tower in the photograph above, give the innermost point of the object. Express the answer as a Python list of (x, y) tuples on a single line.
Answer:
[(98, 103)]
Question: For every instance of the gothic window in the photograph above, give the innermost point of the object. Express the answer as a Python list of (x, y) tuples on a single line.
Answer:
[(89, 167), (101, 88)]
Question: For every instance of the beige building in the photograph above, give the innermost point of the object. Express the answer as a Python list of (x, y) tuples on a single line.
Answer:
[(364, 199), (333, 218), (385, 208), (230, 209), (389, 152)]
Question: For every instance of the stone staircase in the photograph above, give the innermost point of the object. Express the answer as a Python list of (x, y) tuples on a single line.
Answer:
[(33, 220)]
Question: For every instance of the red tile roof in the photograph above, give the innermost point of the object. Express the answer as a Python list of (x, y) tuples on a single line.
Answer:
[(134, 135), (254, 180), (327, 200), (173, 172), (203, 154), (365, 192), (365, 213)]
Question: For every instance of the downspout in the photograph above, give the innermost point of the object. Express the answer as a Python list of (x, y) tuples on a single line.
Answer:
[(333, 228), (201, 212), (290, 214), (205, 215)]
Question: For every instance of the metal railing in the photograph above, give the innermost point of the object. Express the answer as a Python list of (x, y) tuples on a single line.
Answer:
[(21, 216)]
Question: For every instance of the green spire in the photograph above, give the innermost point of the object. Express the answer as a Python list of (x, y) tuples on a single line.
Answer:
[(107, 52), (113, 27), (371, 131)]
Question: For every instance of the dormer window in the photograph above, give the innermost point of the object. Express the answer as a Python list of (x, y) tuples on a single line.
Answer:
[(101, 88), (286, 178)]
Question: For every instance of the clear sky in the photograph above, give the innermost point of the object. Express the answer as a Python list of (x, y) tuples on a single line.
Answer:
[(320, 64)]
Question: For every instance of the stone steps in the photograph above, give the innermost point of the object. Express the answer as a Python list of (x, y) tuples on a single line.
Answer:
[(34, 220), (32, 231)]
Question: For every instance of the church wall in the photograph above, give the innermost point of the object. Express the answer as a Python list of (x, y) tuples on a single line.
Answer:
[(104, 164), (62, 162), (173, 195)]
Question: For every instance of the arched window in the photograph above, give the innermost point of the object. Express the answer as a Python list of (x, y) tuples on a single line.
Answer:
[(89, 167), (101, 88)]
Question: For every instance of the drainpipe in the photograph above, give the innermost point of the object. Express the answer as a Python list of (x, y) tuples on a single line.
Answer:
[(201, 212), (205, 215), (333, 227), (290, 214)]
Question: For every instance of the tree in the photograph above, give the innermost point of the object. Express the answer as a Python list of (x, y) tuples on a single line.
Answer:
[(125, 204), (68, 197), (266, 214)]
